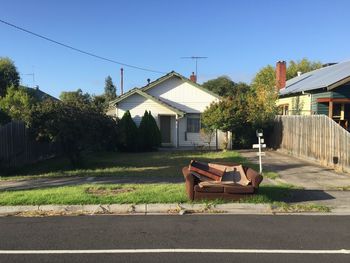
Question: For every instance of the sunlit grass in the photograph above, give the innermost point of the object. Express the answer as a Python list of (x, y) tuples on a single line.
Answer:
[(126, 194), (90, 194)]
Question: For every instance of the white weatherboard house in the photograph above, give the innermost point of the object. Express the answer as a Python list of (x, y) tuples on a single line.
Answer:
[(176, 103)]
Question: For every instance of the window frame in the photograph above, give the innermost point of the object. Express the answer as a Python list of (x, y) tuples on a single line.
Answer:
[(190, 118)]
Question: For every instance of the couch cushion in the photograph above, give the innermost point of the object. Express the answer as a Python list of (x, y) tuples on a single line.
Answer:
[(205, 170), (201, 178), (236, 174), (219, 167), (238, 189), (209, 189), (215, 183)]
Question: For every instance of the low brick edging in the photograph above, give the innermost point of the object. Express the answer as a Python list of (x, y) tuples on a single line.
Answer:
[(154, 209)]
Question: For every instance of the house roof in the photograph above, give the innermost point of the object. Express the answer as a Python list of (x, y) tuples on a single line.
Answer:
[(38, 94), (328, 77), (172, 74), (143, 92), (147, 96)]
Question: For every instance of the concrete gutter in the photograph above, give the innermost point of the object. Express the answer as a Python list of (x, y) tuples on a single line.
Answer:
[(157, 209)]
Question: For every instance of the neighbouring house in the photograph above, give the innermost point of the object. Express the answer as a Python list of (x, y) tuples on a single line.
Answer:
[(38, 94), (176, 103), (321, 91)]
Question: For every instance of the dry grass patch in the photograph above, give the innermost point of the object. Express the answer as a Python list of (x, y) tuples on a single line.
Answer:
[(104, 191)]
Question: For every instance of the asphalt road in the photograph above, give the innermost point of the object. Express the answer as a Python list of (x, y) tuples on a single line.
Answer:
[(256, 233)]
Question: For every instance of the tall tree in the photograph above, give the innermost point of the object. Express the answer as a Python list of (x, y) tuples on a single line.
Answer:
[(76, 98), (17, 103), (100, 102), (302, 66), (225, 87), (261, 100), (222, 115), (222, 86), (9, 75), (110, 89)]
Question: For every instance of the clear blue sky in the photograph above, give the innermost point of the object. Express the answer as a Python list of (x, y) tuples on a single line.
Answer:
[(238, 37)]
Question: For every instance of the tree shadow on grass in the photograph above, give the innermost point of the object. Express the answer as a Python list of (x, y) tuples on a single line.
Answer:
[(117, 164), (151, 176)]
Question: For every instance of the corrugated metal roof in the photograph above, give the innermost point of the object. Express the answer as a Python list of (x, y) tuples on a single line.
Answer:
[(317, 79)]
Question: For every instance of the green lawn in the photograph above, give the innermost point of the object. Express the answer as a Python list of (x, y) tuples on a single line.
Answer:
[(152, 164), (159, 165)]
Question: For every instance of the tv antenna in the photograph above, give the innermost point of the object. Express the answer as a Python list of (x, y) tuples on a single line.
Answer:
[(33, 76), (29, 74), (196, 59)]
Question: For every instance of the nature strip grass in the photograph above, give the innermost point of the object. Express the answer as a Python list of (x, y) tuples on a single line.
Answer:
[(125, 194)]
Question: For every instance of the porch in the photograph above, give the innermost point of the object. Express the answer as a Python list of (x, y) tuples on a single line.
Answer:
[(338, 110)]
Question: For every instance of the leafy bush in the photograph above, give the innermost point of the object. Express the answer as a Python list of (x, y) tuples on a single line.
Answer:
[(4, 117), (17, 103), (74, 128)]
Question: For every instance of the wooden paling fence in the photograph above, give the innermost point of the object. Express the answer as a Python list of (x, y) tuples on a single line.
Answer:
[(18, 148), (316, 137)]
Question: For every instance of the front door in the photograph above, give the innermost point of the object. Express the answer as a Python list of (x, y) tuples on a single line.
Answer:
[(165, 128)]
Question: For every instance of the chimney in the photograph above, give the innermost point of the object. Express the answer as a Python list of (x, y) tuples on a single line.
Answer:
[(193, 78), (299, 73), (281, 68), (148, 81)]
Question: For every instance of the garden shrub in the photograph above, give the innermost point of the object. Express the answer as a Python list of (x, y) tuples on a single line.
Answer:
[(128, 134), (149, 134)]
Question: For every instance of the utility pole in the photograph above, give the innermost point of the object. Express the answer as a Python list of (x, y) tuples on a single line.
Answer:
[(196, 60), (121, 80)]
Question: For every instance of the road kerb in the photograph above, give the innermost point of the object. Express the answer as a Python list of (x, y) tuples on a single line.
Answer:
[(154, 209)]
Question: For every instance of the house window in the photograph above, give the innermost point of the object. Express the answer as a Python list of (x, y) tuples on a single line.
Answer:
[(193, 123), (283, 109), (337, 111)]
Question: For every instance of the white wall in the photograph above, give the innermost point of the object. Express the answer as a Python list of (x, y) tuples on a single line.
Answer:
[(193, 139), (137, 105), (182, 95)]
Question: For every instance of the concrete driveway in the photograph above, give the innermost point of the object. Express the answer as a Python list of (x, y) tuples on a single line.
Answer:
[(299, 172), (320, 185)]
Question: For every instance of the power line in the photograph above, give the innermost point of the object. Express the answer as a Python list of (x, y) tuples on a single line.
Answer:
[(79, 50)]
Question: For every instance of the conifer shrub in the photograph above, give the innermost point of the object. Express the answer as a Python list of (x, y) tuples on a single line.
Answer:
[(128, 134), (149, 133)]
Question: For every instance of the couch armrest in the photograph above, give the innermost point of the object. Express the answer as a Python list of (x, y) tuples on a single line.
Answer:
[(189, 182), (254, 177)]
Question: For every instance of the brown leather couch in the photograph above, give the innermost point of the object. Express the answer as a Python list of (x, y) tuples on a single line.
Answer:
[(221, 191)]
